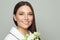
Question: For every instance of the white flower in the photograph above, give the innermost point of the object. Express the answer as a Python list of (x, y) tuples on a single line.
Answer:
[(34, 36), (36, 39), (31, 37)]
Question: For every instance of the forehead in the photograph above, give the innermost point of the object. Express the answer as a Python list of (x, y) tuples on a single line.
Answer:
[(25, 8)]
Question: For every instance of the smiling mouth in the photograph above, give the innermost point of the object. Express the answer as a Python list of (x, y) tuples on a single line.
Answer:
[(26, 22)]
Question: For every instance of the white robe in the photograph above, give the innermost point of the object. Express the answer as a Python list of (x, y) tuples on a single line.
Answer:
[(14, 35)]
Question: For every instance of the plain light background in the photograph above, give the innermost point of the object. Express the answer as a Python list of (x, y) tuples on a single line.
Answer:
[(47, 13)]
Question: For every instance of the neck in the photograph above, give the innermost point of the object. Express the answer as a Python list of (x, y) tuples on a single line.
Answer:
[(23, 31)]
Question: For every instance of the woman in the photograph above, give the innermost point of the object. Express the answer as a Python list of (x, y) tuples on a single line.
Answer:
[(24, 19)]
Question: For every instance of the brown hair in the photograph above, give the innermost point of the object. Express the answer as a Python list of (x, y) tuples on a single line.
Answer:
[(32, 28)]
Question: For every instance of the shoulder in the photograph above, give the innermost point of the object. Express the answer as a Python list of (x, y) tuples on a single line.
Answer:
[(10, 37)]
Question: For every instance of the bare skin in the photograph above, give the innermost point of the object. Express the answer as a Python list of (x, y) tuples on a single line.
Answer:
[(24, 18)]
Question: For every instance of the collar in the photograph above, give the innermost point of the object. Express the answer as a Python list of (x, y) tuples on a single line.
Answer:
[(16, 33)]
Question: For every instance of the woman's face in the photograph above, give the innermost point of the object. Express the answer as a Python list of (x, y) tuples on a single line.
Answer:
[(24, 17)]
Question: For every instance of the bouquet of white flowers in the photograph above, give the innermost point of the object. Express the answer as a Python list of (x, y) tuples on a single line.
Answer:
[(34, 36)]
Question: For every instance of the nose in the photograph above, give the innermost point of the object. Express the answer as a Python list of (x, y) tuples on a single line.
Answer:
[(26, 17)]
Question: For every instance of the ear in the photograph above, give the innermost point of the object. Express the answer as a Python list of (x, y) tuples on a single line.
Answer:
[(14, 16)]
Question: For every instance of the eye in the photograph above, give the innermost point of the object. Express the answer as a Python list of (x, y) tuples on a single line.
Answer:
[(30, 13), (20, 14)]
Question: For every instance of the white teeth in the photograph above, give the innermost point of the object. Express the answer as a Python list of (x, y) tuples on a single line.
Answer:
[(25, 22)]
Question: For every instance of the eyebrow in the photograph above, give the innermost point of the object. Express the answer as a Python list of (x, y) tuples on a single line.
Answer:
[(24, 12)]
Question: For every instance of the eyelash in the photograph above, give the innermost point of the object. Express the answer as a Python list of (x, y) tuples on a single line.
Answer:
[(20, 14), (30, 14), (23, 14)]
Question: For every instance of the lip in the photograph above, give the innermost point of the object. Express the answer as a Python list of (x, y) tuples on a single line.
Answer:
[(26, 22)]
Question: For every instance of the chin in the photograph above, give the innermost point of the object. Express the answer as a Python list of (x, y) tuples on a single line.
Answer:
[(26, 27)]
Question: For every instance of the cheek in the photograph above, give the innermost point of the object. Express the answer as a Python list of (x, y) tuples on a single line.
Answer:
[(19, 18), (31, 18)]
